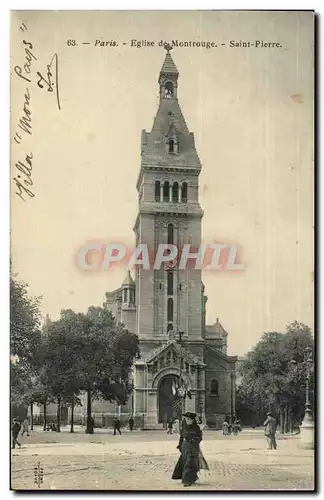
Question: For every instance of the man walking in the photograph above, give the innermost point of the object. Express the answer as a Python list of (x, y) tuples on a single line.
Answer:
[(25, 427), (225, 428), (117, 426), (131, 423), (270, 427), (15, 433), (170, 426)]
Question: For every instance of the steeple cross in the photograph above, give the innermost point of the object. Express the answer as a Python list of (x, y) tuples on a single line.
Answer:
[(167, 47)]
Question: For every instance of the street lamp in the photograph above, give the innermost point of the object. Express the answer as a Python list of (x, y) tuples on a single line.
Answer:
[(307, 426), (181, 388)]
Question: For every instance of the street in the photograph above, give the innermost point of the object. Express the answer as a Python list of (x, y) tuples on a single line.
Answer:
[(145, 461)]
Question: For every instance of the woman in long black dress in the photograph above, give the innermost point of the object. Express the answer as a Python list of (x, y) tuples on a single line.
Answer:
[(191, 459)]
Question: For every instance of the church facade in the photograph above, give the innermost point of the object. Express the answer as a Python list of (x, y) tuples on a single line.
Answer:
[(165, 305)]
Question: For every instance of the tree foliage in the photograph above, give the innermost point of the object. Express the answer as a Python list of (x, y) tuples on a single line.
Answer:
[(24, 321), (274, 373), (78, 352), (25, 339)]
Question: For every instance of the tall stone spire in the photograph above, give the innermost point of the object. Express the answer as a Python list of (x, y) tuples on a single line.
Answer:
[(169, 126)]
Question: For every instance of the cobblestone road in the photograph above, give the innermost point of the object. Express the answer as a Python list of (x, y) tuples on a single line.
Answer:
[(144, 461)]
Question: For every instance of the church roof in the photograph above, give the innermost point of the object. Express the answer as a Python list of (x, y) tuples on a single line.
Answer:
[(128, 281), (216, 329), (113, 294), (168, 66), (220, 354), (151, 356)]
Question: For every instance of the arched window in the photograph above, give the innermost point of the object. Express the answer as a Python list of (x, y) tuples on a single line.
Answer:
[(171, 146), (175, 192), (170, 310), (170, 283), (214, 387), (184, 192), (166, 191), (168, 90), (157, 191), (125, 295), (170, 234)]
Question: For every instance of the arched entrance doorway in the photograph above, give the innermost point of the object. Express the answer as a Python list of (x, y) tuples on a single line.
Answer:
[(166, 398)]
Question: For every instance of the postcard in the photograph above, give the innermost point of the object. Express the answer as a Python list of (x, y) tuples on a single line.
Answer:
[(162, 250)]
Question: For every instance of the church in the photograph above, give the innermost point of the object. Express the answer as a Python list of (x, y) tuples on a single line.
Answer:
[(166, 307)]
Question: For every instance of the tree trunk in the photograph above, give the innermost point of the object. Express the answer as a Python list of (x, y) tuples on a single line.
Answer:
[(44, 427), (282, 424), (72, 415), (31, 417), (290, 421), (58, 415), (286, 419), (89, 429)]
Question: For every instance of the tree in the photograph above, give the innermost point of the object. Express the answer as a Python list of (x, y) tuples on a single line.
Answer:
[(273, 375), (61, 360), (24, 344), (108, 352), (24, 322), (88, 352)]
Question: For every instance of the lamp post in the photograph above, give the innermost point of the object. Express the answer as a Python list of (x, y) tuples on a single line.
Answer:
[(181, 389), (307, 426)]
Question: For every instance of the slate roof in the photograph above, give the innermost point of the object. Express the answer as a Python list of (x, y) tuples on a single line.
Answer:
[(216, 329), (169, 66), (128, 281)]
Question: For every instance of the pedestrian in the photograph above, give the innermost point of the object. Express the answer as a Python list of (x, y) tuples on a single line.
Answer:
[(191, 459), (225, 428), (270, 427), (24, 427), (131, 423), (235, 428), (117, 426), (16, 426), (170, 426)]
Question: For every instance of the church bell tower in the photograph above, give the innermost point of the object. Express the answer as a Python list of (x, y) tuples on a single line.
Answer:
[(168, 300)]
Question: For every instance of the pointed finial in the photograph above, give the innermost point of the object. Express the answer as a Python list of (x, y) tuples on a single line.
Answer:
[(167, 47)]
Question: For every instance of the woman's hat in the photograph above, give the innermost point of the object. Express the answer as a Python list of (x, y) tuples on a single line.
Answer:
[(190, 415)]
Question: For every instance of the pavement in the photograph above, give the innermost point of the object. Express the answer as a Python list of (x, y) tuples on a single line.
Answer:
[(144, 461)]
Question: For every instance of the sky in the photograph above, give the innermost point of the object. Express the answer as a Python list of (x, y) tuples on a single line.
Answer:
[(251, 110)]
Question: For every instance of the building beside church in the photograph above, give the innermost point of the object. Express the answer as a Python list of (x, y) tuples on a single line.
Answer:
[(158, 304)]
